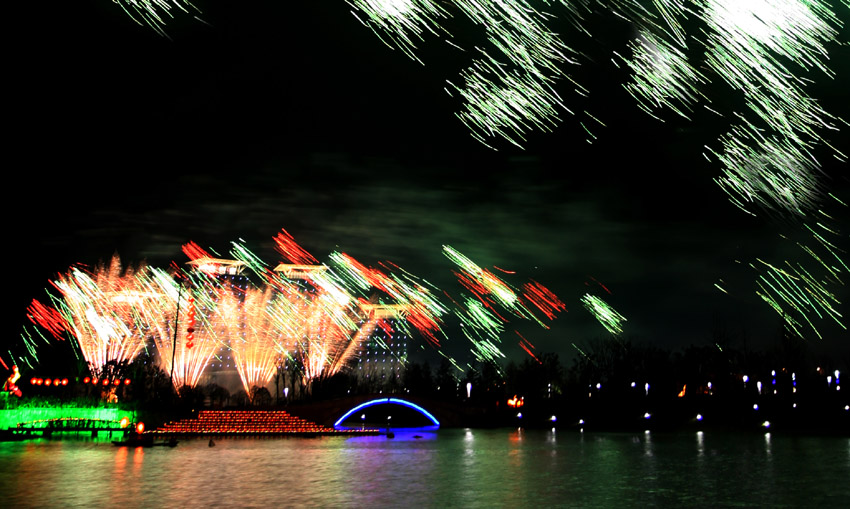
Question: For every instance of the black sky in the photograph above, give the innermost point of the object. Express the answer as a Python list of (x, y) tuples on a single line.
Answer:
[(293, 115)]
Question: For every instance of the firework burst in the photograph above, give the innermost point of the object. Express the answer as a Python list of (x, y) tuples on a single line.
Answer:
[(107, 312), (480, 315)]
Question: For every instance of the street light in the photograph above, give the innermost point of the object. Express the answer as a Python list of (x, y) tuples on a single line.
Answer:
[(179, 279)]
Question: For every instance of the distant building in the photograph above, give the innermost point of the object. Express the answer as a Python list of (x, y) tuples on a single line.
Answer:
[(384, 355)]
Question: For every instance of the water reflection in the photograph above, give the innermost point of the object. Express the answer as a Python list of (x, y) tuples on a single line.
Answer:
[(450, 467), (700, 444)]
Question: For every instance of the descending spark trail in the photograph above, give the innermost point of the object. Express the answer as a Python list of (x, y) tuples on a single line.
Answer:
[(403, 21), (662, 76), (155, 13), (749, 47), (607, 316), (285, 245), (543, 298), (768, 171), (509, 95), (422, 310), (50, 319), (482, 322), (506, 103), (805, 294)]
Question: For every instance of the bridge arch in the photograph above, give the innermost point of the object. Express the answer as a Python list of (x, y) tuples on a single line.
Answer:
[(384, 401)]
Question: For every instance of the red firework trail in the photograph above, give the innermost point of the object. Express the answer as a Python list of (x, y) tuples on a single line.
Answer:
[(285, 245), (48, 318), (543, 299), (600, 284), (194, 251), (523, 342)]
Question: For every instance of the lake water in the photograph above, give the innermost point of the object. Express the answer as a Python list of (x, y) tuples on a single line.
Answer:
[(446, 468)]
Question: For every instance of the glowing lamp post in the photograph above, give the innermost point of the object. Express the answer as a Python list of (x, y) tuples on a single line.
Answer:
[(176, 318)]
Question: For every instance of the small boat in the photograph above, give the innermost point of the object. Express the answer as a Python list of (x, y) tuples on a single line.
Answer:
[(140, 440)]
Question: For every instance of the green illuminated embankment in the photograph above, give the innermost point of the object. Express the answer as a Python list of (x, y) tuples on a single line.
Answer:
[(11, 418)]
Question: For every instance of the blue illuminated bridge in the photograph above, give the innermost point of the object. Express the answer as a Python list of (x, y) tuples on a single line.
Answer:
[(360, 410), (405, 409)]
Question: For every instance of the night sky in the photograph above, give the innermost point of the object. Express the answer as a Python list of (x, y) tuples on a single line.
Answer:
[(293, 115)]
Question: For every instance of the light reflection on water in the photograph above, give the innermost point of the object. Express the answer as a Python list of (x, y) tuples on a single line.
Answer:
[(446, 468)]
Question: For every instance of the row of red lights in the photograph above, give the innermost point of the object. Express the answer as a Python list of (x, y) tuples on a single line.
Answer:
[(64, 381), (234, 429), (105, 382), (48, 381)]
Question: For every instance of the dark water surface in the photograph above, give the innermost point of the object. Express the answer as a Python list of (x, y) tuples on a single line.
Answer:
[(447, 468)]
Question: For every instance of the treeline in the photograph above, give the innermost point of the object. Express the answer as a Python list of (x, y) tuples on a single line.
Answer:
[(610, 381), (618, 366)]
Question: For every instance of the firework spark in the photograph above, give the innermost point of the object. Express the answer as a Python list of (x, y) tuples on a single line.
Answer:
[(155, 13), (750, 46), (605, 314), (662, 76), (804, 293), (402, 21), (258, 345), (482, 322), (107, 312)]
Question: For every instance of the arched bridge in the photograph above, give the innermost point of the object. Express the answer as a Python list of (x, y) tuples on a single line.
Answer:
[(445, 413), (387, 401)]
